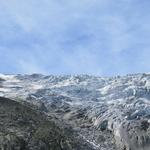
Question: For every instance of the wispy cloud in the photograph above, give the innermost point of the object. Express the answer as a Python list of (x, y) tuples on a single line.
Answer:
[(70, 37)]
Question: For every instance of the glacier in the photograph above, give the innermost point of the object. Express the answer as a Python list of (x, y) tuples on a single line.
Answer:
[(108, 112)]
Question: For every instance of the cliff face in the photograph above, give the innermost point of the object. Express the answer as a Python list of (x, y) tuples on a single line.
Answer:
[(100, 113)]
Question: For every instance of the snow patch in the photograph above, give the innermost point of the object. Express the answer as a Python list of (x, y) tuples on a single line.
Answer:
[(4, 90)]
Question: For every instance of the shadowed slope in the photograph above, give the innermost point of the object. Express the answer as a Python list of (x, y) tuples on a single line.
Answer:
[(24, 128)]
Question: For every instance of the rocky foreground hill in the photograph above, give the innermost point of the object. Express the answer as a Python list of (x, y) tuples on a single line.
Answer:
[(23, 127), (74, 112)]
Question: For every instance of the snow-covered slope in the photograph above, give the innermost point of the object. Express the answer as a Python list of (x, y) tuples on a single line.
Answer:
[(110, 113)]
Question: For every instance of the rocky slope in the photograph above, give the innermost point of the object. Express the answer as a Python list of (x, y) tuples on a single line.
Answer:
[(26, 128), (107, 113)]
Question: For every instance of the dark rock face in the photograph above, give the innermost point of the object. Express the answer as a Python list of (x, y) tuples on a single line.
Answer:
[(24, 128), (145, 125), (104, 125), (1, 80)]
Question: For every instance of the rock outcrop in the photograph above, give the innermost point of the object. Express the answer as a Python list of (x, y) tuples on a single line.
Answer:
[(25, 128)]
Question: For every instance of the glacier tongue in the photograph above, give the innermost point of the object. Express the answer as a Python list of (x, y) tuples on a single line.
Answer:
[(109, 112)]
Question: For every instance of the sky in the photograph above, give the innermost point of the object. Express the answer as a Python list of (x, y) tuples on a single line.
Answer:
[(97, 37)]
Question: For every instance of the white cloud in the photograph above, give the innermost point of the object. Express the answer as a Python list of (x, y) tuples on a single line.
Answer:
[(72, 36)]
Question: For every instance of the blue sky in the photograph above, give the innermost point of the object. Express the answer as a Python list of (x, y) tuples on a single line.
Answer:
[(99, 37)]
